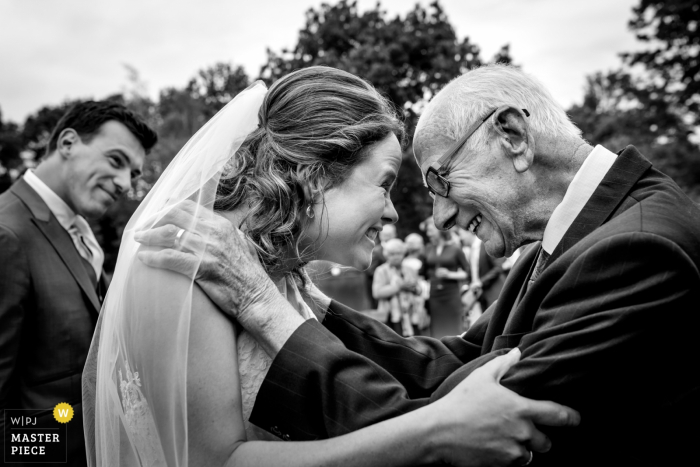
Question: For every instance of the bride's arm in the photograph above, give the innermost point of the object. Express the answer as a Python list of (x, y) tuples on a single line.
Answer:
[(466, 427), (214, 414)]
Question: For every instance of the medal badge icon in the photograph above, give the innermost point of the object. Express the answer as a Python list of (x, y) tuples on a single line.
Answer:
[(63, 412)]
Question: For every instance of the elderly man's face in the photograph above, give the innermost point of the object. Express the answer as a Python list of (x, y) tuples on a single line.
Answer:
[(484, 194)]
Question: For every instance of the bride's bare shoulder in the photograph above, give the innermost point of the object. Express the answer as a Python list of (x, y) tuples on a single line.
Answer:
[(215, 421), (160, 289)]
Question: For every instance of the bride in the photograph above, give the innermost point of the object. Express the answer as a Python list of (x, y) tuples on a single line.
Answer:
[(304, 169)]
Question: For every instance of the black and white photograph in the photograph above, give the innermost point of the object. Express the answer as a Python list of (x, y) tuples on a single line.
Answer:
[(351, 233)]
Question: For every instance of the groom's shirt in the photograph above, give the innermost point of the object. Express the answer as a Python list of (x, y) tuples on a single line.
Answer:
[(70, 221)]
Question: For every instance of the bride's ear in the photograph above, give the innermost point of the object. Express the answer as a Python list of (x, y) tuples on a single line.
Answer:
[(312, 195)]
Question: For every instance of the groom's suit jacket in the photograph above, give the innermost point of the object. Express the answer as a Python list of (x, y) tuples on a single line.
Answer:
[(609, 328), (48, 310)]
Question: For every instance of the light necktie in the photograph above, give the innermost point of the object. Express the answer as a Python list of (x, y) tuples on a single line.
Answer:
[(86, 244)]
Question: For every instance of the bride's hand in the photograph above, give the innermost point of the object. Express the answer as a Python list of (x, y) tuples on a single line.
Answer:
[(482, 423), (213, 251)]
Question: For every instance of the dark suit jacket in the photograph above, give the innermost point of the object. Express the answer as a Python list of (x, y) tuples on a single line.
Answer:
[(609, 328), (48, 311), (491, 275)]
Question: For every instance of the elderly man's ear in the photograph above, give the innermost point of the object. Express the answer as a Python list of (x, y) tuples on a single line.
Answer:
[(515, 136)]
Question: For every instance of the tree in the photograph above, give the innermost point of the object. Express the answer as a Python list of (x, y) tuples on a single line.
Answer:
[(38, 126), (217, 85), (672, 64), (617, 111), (408, 59), (652, 100), (10, 145)]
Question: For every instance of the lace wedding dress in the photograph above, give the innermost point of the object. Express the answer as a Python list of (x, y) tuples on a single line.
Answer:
[(140, 425), (135, 378), (253, 363)]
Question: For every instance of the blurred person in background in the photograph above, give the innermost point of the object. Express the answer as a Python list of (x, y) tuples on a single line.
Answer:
[(387, 233), (471, 292), (415, 259), (415, 253), (397, 290), (51, 279), (488, 275), (446, 266)]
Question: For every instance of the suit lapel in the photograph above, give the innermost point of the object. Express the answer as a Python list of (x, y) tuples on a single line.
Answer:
[(628, 168), (510, 295), (58, 237)]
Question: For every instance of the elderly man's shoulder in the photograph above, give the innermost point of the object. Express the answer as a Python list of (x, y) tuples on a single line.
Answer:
[(655, 211), (658, 206)]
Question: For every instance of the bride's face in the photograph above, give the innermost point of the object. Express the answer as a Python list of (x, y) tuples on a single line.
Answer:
[(357, 209)]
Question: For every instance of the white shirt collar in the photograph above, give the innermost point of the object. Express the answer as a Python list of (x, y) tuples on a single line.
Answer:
[(583, 185), (59, 208)]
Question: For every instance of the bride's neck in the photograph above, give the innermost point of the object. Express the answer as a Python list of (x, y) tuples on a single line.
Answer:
[(237, 217)]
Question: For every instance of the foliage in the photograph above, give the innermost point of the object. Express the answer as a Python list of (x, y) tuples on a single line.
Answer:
[(10, 144), (215, 86), (652, 100), (176, 116), (617, 112), (672, 64), (408, 59)]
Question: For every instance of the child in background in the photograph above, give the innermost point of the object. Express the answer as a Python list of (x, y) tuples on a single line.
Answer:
[(396, 289), (415, 260)]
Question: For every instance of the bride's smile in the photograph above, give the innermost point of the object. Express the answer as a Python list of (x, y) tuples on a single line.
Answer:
[(356, 210)]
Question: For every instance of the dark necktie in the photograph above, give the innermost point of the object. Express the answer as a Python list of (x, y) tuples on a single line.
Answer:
[(542, 258)]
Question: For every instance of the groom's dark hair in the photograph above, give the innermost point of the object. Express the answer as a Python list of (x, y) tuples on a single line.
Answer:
[(87, 117)]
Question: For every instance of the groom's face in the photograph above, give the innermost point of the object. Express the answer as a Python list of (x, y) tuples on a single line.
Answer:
[(483, 198), (100, 168)]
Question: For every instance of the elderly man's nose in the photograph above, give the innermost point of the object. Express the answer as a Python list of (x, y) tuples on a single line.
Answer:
[(444, 212)]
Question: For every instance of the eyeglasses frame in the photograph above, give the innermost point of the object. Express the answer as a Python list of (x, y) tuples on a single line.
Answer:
[(436, 167)]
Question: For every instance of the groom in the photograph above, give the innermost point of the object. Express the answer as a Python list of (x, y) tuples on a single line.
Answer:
[(51, 279), (603, 304)]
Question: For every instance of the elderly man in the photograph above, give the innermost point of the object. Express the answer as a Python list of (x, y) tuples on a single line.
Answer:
[(603, 304)]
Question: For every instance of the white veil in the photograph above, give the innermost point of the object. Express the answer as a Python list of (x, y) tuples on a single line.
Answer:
[(135, 378)]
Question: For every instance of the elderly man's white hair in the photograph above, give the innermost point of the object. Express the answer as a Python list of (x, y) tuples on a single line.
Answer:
[(472, 95)]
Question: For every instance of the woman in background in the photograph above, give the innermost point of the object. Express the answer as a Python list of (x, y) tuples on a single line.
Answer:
[(447, 268)]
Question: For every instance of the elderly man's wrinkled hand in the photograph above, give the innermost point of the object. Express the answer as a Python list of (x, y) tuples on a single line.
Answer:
[(198, 243)]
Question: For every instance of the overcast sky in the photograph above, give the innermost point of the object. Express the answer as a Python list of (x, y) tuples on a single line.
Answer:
[(52, 50)]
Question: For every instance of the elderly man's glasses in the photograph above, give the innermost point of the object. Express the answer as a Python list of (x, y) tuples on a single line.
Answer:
[(435, 177)]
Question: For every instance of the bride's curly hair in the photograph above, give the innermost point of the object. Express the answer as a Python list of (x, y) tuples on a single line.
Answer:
[(315, 126)]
